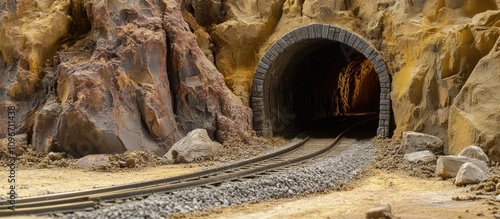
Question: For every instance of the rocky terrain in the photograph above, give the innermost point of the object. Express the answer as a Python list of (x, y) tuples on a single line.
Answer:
[(124, 81), (90, 76)]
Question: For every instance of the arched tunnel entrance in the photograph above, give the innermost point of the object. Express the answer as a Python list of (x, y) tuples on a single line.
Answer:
[(318, 72)]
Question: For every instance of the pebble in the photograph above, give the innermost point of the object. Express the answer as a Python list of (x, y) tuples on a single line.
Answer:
[(131, 162), (122, 164), (329, 173), (383, 211), (54, 156)]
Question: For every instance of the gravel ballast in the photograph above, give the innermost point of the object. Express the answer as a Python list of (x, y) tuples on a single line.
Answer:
[(329, 173)]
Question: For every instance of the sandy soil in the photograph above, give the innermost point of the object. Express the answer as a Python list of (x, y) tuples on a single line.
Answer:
[(409, 197), (33, 182)]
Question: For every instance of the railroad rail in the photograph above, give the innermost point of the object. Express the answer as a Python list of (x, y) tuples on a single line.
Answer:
[(303, 148)]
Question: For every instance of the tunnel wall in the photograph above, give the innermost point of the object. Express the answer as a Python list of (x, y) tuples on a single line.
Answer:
[(261, 121)]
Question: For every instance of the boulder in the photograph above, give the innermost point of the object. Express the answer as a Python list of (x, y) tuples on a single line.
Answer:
[(196, 146), (383, 211), (448, 166), (473, 151), (93, 161), (415, 141), (470, 173), (420, 156)]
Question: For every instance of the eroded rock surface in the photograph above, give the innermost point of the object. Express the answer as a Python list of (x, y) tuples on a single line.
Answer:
[(120, 75), (475, 113)]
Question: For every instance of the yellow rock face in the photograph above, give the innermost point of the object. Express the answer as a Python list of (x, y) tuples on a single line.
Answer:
[(431, 48), (31, 31), (475, 113)]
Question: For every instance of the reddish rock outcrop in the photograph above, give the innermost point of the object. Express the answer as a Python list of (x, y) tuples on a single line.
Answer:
[(126, 75), (202, 98)]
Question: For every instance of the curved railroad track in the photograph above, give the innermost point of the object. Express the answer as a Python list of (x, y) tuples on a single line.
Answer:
[(302, 149)]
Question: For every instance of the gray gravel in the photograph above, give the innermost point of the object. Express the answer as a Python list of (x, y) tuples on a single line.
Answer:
[(326, 174)]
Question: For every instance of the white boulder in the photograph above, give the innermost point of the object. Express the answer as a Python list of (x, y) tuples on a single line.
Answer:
[(469, 173), (415, 141), (194, 147), (93, 161), (420, 156), (473, 151), (448, 166)]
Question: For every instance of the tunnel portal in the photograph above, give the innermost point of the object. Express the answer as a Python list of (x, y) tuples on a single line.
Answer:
[(317, 72)]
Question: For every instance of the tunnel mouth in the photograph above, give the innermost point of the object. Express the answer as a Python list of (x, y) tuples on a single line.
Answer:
[(293, 84), (316, 82)]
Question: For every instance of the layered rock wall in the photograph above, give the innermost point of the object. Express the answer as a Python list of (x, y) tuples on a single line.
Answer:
[(110, 76)]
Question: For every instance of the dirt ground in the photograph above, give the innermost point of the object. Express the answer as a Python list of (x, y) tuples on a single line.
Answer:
[(408, 196), (40, 174), (32, 182), (410, 189)]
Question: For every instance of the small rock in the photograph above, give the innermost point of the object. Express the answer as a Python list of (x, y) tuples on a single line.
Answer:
[(497, 197), (54, 156), (92, 161), (473, 151), (496, 216), (448, 166), (469, 173), (196, 146), (383, 211), (122, 164), (420, 156), (19, 150), (415, 141), (130, 163)]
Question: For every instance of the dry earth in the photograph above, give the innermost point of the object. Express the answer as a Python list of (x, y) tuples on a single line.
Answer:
[(37, 174), (411, 190)]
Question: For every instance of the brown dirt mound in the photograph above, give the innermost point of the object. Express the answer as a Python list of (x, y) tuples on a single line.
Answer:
[(247, 145), (239, 147), (390, 157)]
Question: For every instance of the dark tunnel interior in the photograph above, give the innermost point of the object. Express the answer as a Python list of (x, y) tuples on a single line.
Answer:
[(317, 80)]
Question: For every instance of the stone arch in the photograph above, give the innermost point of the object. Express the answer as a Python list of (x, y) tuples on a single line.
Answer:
[(322, 32)]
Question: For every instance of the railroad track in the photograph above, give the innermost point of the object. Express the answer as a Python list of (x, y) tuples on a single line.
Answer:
[(302, 149)]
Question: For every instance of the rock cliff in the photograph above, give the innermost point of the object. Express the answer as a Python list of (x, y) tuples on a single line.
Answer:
[(108, 76), (432, 48)]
